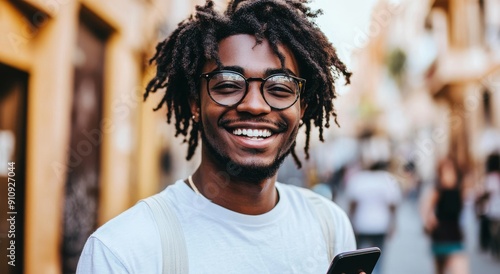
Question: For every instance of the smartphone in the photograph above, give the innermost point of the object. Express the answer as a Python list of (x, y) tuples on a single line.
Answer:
[(354, 262)]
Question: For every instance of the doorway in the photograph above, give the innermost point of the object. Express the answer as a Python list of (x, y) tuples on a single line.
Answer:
[(13, 113), (82, 183)]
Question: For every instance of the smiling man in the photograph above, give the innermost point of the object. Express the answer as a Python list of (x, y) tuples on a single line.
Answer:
[(243, 82)]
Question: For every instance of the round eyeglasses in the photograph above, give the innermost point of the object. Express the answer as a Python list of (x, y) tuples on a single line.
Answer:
[(228, 88)]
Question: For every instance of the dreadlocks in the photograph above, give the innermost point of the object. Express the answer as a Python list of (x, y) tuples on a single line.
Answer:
[(180, 58)]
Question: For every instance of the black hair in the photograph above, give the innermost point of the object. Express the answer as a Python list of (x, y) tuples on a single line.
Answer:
[(181, 57), (493, 162)]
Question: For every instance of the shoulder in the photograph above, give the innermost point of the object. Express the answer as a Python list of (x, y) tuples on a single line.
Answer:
[(359, 180), (324, 208), (132, 223), (492, 180), (128, 241)]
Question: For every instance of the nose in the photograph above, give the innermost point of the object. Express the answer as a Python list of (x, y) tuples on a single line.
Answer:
[(254, 102)]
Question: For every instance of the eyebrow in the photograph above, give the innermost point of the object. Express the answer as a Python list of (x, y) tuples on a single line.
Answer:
[(267, 72)]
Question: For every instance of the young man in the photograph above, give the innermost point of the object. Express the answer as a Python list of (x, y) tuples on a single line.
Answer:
[(245, 81)]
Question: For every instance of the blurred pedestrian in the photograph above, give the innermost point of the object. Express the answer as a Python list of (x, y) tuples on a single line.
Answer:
[(373, 197), (441, 211), (484, 235), (489, 207), (336, 180)]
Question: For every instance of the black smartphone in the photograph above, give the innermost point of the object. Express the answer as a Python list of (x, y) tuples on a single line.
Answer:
[(354, 262)]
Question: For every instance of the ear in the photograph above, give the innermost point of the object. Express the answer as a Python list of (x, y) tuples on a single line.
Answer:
[(195, 110), (303, 107)]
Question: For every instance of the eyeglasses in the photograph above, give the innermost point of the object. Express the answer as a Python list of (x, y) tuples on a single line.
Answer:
[(228, 88)]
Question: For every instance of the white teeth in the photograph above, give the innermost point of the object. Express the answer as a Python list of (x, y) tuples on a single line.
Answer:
[(264, 133)]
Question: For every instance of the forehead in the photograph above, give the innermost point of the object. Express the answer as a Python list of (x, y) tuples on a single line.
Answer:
[(242, 51)]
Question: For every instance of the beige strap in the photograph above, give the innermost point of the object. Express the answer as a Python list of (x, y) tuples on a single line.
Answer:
[(173, 244), (325, 219)]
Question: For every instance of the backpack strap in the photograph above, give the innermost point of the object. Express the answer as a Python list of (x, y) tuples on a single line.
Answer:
[(173, 244), (324, 216)]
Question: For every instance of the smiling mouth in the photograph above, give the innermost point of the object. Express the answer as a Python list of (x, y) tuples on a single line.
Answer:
[(256, 134)]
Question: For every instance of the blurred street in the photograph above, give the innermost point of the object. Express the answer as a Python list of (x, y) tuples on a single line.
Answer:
[(408, 251)]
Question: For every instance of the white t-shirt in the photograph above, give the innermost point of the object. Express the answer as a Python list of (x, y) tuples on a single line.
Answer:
[(492, 185), (287, 239), (373, 192)]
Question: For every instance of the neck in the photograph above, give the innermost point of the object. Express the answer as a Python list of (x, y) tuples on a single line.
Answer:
[(233, 193)]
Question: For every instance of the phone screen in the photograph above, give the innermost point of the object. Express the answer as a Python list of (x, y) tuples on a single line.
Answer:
[(354, 262)]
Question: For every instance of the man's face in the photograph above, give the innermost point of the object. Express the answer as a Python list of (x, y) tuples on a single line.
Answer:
[(223, 128)]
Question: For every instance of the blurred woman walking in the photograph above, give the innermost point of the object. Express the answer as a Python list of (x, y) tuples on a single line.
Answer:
[(441, 210)]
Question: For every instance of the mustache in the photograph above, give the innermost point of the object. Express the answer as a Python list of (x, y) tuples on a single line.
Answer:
[(281, 125)]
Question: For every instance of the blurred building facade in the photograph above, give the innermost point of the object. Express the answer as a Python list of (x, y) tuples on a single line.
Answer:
[(428, 77), (466, 74), (73, 120)]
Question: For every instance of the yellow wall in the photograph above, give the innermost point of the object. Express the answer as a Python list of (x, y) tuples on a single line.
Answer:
[(46, 52)]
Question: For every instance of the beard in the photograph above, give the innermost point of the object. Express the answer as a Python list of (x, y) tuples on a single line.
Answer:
[(252, 173)]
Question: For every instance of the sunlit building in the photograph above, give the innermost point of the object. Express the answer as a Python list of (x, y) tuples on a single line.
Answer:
[(466, 73), (428, 77)]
